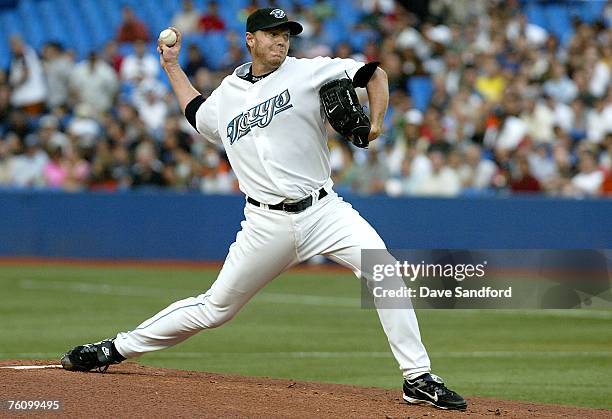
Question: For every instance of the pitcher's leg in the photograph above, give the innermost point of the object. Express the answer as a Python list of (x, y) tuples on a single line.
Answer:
[(341, 234), (263, 249)]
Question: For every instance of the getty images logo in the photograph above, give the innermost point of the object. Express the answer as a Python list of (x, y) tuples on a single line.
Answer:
[(278, 13)]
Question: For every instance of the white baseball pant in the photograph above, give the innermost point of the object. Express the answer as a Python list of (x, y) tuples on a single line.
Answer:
[(270, 242)]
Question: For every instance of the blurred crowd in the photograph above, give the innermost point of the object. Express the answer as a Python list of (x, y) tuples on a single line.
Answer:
[(509, 109)]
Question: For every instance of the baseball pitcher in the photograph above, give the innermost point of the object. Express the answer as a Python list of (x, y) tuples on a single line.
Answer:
[(269, 115)]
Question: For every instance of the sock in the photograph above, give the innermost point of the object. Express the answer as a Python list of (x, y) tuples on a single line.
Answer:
[(115, 355), (414, 375)]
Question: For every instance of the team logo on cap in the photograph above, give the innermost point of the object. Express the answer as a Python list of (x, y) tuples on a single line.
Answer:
[(278, 13)]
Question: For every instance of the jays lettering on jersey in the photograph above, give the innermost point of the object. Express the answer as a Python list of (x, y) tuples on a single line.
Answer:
[(258, 116), (273, 130)]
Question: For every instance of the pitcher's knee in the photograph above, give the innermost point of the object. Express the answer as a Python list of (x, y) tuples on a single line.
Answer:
[(218, 318)]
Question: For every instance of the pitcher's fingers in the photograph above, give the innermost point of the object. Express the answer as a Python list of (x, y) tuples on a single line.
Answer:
[(179, 35)]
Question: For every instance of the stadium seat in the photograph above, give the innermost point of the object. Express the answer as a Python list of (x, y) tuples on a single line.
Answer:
[(72, 22), (5, 57), (360, 38), (590, 11), (336, 32), (126, 48), (420, 89), (108, 13), (97, 21), (536, 15), (30, 18), (347, 12), (11, 23), (213, 46), (52, 25), (559, 22)]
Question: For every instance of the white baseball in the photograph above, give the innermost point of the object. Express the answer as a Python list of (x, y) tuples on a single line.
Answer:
[(167, 37)]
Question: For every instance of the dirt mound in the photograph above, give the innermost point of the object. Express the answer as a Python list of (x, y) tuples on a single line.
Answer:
[(133, 390)]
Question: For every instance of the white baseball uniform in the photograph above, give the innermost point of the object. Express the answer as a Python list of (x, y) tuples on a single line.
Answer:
[(274, 134)]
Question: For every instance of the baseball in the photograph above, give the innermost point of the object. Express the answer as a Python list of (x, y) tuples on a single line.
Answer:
[(167, 37)]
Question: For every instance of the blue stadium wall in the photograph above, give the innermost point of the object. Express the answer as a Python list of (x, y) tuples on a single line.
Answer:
[(175, 226)]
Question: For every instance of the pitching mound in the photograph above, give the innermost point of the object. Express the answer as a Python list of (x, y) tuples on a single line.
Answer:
[(133, 390)]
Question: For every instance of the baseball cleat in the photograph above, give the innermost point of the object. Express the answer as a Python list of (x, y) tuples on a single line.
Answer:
[(91, 356), (430, 389)]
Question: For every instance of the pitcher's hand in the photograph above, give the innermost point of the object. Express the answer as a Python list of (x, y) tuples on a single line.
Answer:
[(169, 55)]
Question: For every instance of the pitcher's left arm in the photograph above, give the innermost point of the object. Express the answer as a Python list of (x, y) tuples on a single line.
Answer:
[(378, 98)]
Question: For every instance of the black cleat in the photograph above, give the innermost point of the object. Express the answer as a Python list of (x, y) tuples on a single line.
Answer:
[(91, 356), (430, 389)]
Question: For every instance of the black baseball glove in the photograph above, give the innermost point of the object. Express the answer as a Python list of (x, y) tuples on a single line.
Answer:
[(343, 111)]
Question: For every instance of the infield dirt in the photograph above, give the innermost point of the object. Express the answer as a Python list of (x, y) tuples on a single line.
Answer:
[(133, 390)]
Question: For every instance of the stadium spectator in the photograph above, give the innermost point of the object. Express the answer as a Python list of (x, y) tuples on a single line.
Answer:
[(101, 167), (559, 86), (392, 156), (120, 169), (151, 106), (522, 180), (606, 186), (232, 58), (538, 119), (215, 176), (130, 127), (391, 62), (599, 119), (211, 21), (57, 66), (519, 28), (588, 180), (599, 66), (322, 9), (5, 170), (50, 135), (84, 128), (503, 101), (541, 164), (112, 56), (139, 66), (605, 159), (26, 169), (195, 61), (55, 171), (244, 12), (181, 171), (458, 11), (369, 177), (513, 129), (78, 170), (476, 173), (203, 81), (131, 29), (6, 108), (317, 43), (19, 125), (147, 169), (26, 78), (186, 20), (441, 181), (94, 83), (491, 83), (340, 156)]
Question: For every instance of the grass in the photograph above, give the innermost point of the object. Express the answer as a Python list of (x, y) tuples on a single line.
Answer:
[(308, 326)]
